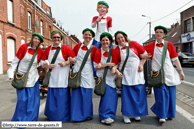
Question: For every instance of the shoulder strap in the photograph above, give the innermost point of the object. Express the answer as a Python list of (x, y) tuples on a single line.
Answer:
[(32, 60), (164, 53), (55, 56), (108, 60), (85, 57), (127, 47)]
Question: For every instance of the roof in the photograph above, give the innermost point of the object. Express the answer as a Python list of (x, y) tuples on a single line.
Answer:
[(174, 35)]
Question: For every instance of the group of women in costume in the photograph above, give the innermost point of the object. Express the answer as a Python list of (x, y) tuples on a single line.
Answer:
[(61, 106)]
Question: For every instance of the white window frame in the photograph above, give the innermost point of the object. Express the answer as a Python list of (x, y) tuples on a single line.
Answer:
[(10, 10), (41, 27), (29, 21), (22, 41), (10, 50), (39, 2), (47, 11)]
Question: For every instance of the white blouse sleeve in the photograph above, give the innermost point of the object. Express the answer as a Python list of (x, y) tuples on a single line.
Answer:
[(10, 71), (110, 31), (93, 25), (95, 64)]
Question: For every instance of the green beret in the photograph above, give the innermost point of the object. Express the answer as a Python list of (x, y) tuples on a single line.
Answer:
[(58, 32), (103, 3), (161, 27), (87, 29), (120, 32), (108, 34), (37, 34)]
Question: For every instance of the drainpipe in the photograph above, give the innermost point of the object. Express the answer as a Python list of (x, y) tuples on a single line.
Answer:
[(181, 33), (35, 17)]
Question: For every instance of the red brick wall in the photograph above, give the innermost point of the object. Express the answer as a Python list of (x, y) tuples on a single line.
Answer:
[(3, 14), (19, 30), (187, 14)]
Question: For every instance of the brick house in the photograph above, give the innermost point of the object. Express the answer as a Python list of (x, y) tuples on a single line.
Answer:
[(18, 20), (187, 30)]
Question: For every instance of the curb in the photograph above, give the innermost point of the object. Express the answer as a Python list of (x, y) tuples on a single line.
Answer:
[(188, 83)]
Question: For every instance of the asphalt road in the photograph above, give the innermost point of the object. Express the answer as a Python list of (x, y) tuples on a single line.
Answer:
[(185, 100), (189, 73)]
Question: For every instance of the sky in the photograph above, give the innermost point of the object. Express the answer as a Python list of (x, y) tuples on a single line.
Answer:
[(76, 15)]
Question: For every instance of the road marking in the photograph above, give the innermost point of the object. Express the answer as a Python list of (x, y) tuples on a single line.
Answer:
[(42, 107), (191, 70), (185, 114), (4, 80)]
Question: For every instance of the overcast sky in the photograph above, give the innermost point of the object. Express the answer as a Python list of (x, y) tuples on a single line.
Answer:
[(76, 15)]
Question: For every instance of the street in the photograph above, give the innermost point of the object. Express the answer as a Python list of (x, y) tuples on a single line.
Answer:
[(184, 115)]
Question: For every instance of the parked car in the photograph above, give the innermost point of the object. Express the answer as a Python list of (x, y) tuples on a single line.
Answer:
[(187, 58)]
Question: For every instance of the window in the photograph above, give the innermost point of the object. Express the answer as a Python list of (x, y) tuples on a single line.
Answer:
[(187, 24), (47, 11), (29, 21), (193, 23), (39, 2), (49, 32), (22, 41), (10, 10), (10, 49), (41, 27)]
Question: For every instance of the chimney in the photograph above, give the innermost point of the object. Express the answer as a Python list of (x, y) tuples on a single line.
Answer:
[(177, 24)]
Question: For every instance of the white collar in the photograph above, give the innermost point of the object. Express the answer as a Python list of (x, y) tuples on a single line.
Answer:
[(29, 47), (88, 46), (122, 47), (103, 17), (102, 51), (158, 42), (57, 46)]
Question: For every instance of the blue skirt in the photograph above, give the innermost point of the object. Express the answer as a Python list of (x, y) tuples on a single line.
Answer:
[(28, 102), (134, 100), (81, 104), (58, 104), (108, 104), (165, 102)]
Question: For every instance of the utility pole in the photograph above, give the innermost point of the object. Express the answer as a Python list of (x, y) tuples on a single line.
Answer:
[(149, 27)]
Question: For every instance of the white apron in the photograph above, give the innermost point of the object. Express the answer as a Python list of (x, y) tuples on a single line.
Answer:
[(131, 76), (110, 80), (87, 80), (59, 75), (33, 73), (172, 77)]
